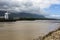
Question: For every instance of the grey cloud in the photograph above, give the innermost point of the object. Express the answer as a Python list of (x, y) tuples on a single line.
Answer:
[(14, 6)]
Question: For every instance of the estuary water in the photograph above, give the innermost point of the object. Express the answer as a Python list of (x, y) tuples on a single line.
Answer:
[(27, 30)]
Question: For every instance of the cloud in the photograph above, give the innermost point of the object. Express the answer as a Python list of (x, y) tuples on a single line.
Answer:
[(48, 3), (19, 6), (33, 6), (54, 16)]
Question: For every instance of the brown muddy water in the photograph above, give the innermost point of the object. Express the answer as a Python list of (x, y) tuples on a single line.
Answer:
[(26, 30)]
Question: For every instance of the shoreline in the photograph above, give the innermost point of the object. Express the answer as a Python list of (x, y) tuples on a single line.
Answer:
[(53, 35)]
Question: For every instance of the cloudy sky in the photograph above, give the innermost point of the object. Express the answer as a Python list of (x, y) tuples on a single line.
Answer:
[(49, 8)]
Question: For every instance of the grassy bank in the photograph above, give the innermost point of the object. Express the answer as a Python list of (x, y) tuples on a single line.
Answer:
[(54, 35)]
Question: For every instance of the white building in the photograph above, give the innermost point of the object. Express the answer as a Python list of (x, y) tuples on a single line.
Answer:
[(6, 16)]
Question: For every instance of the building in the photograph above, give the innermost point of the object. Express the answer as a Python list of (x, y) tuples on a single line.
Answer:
[(4, 15)]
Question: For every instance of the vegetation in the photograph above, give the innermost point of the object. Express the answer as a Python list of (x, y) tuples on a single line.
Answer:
[(19, 19), (6, 20), (36, 19), (54, 35)]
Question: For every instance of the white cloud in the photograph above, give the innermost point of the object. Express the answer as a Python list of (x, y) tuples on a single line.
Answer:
[(54, 16), (27, 5), (48, 3)]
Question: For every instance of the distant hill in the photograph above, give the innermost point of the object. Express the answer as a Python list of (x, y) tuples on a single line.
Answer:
[(21, 15), (26, 15)]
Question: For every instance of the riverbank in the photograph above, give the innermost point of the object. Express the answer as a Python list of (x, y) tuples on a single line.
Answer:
[(54, 35), (24, 19), (6, 20)]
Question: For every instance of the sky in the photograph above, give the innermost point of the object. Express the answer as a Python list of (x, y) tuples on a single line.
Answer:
[(48, 8)]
